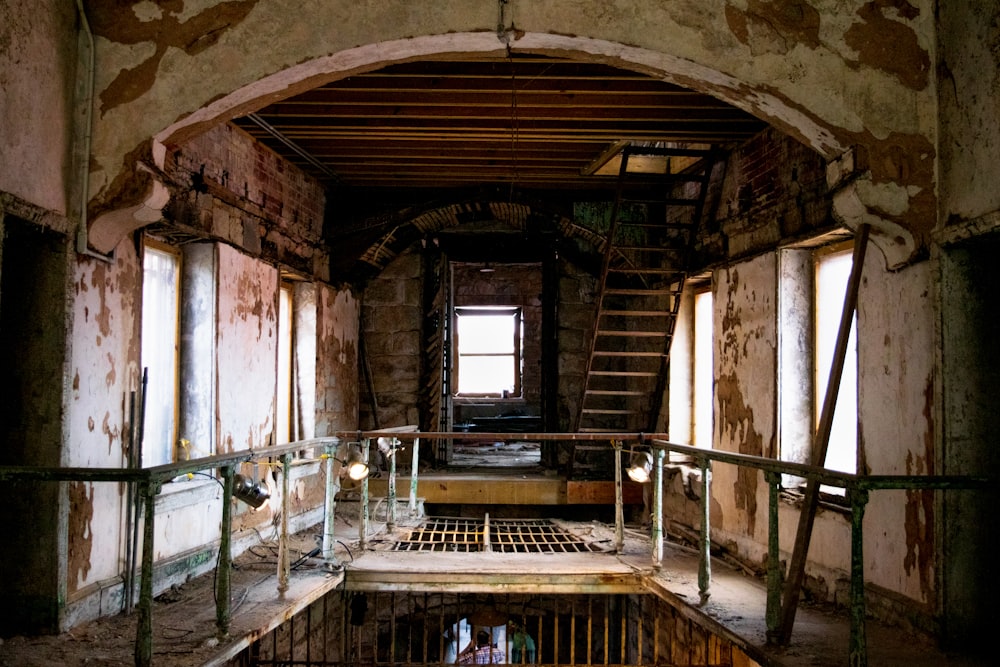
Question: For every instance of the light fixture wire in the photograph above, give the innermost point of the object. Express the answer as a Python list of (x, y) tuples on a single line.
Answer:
[(514, 124)]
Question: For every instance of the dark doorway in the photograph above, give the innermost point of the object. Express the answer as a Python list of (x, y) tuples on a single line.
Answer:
[(33, 329)]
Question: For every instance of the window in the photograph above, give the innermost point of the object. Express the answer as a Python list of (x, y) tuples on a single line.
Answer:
[(488, 343), (704, 371), (160, 339), (832, 272), (283, 425)]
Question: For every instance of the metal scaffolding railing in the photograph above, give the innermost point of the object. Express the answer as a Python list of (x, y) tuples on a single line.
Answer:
[(150, 480)]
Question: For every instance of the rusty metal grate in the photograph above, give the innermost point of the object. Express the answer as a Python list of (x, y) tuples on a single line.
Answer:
[(497, 535)]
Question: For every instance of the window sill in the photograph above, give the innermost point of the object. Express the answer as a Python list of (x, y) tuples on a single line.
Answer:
[(827, 501)]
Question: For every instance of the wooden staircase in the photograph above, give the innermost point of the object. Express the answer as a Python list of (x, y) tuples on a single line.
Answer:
[(638, 295)]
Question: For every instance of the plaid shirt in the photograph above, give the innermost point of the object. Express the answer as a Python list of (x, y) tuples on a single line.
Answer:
[(483, 655)]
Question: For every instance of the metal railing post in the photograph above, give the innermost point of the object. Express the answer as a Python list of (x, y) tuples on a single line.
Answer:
[(223, 569), (414, 467), (363, 505), (329, 513), (390, 522), (619, 502), (657, 529), (144, 626), (858, 648), (283, 559), (705, 561), (772, 615)]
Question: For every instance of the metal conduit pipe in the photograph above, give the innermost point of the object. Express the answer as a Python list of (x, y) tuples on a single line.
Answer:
[(82, 245)]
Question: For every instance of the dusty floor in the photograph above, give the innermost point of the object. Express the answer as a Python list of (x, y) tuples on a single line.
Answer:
[(184, 618)]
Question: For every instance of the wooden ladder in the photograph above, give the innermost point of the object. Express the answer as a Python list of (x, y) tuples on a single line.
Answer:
[(639, 289)]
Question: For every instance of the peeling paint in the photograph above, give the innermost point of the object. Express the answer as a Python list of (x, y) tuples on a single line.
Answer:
[(736, 419), (192, 35), (919, 508), (889, 45), (80, 533), (774, 27), (99, 281)]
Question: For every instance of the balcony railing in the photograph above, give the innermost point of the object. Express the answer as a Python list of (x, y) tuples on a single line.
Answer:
[(148, 482)]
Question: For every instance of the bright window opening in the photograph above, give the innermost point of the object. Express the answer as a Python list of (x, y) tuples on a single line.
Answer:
[(283, 426), (703, 369), (489, 347), (833, 271), (160, 339)]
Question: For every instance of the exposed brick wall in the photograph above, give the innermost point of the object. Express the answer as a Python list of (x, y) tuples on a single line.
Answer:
[(772, 189), (239, 191)]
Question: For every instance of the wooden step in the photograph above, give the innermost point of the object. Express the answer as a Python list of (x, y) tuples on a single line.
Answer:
[(624, 374), (631, 334)]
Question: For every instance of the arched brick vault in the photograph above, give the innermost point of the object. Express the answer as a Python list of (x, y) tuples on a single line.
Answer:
[(166, 73), (512, 216)]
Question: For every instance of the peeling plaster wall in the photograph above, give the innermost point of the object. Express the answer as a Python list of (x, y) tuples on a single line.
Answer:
[(37, 73), (814, 72), (337, 325), (896, 406), (896, 353), (969, 84), (745, 322), (247, 346), (104, 371)]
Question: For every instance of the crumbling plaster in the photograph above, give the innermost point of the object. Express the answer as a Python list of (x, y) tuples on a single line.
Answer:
[(104, 371), (810, 71), (745, 372), (247, 343), (337, 325), (895, 413), (37, 69)]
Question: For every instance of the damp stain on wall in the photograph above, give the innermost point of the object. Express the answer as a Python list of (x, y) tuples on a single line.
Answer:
[(774, 27), (162, 30), (80, 535), (919, 509), (736, 422)]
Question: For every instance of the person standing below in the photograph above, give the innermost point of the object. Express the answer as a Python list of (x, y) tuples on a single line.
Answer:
[(484, 653), (522, 645)]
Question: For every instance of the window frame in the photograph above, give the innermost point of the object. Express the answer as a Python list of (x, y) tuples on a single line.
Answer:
[(517, 353)]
